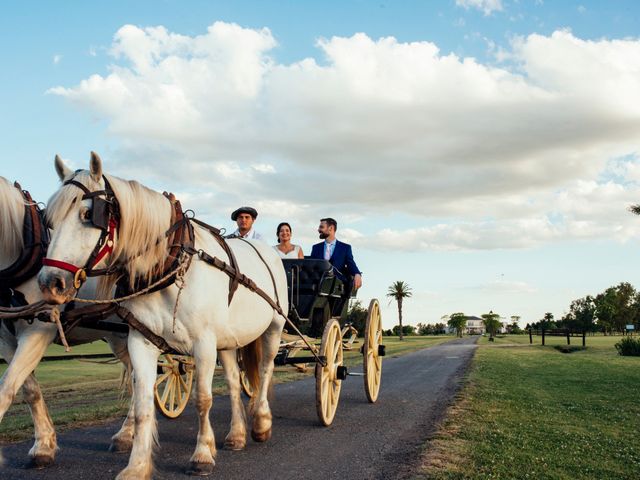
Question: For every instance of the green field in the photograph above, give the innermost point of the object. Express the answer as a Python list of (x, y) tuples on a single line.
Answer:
[(80, 392), (534, 412)]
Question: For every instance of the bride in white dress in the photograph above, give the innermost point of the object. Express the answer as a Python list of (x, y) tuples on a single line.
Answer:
[(284, 247)]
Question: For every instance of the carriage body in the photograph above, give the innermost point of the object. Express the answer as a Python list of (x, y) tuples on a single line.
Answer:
[(318, 300)]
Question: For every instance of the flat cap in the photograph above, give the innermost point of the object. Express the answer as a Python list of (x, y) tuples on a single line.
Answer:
[(251, 211)]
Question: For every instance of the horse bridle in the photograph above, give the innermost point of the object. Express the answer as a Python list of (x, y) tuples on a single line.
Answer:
[(105, 216)]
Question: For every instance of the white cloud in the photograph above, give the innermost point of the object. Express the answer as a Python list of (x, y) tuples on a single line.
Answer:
[(486, 6), (56, 59), (506, 157)]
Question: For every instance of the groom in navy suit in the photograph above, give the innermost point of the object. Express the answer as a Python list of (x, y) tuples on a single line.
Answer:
[(337, 252)]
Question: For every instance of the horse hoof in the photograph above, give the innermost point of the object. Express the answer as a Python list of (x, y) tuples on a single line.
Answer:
[(235, 445), (261, 436), (198, 469), (40, 461), (120, 446)]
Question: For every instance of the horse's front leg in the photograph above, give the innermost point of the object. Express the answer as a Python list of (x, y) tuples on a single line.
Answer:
[(203, 458), (45, 446), (122, 441), (262, 418), (144, 357), (237, 437)]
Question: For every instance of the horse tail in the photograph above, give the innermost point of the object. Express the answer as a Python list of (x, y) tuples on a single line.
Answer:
[(251, 357)]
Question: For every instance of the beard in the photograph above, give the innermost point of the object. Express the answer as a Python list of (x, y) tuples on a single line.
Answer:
[(323, 235)]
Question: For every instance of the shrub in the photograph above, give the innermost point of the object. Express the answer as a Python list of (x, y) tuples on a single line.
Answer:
[(629, 346)]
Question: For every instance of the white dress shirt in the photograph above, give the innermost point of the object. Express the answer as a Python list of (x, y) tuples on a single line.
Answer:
[(250, 235), (329, 247)]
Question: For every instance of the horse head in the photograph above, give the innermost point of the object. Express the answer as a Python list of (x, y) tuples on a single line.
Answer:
[(83, 226)]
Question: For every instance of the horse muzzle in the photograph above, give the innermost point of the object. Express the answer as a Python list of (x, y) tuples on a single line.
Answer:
[(57, 288)]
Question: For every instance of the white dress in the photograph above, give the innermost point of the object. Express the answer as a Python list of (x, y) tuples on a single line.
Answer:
[(292, 254)]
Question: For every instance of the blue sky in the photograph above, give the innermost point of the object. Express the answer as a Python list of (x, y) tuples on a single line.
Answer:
[(482, 150)]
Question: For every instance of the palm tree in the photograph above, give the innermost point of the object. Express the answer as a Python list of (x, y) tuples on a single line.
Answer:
[(399, 290)]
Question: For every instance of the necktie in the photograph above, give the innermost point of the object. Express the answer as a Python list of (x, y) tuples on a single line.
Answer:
[(327, 251)]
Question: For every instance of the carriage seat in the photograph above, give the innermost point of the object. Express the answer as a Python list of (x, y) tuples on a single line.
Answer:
[(308, 279), (308, 273)]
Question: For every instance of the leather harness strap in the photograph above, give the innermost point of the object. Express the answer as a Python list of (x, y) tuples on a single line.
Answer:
[(180, 238), (273, 280), (241, 278), (35, 237), (133, 322)]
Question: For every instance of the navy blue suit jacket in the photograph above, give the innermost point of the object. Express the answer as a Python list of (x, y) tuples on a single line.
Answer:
[(342, 258)]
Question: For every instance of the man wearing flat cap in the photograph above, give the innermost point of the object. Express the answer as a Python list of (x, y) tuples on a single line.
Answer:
[(244, 218)]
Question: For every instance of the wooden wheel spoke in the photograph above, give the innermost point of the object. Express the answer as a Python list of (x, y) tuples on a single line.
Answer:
[(167, 389), (162, 378), (172, 395), (183, 384)]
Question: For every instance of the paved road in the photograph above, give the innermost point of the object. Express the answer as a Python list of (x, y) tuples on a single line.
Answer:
[(379, 441)]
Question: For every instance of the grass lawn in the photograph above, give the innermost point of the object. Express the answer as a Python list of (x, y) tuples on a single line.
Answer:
[(534, 412), (80, 392)]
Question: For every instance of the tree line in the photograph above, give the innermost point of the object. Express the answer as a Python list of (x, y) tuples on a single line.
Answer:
[(607, 312)]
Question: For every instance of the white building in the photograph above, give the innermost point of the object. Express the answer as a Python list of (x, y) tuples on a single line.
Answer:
[(474, 326)]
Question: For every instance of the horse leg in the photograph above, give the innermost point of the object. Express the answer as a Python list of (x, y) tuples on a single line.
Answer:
[(203, 459), (262, 419), (144, 357), (122, 441), (237, 437), (43, 451), (44, 448)]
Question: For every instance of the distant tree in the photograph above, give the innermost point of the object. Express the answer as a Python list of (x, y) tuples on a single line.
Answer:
[(547, 322), (581, 316), (398, 291), (457, 321), (425, 329), (357, 316), (491, 323), (624, 313), (439, 329), (514, 329), (605, 304), (406, 330)]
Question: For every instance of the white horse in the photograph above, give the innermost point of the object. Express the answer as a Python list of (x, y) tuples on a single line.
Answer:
[(24, 347), (204, 320)]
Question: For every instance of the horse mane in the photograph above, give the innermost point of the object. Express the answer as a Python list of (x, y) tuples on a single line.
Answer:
[(141, 245), (145, 216), (11, 220)]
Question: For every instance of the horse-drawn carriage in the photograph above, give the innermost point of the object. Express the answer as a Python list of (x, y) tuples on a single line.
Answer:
[(150, 243), (318, 299)]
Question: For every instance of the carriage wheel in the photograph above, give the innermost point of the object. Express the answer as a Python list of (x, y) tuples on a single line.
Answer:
[(372, 364), (327, 382), (245, 384), (173, 384)]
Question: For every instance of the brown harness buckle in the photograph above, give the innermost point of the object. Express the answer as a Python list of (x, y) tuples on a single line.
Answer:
[(79, 278)]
